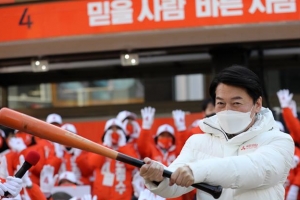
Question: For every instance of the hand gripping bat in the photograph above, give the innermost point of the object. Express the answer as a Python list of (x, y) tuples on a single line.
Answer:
[(41, 129)]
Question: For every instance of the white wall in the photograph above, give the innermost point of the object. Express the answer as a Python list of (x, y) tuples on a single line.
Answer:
[(189, 87)]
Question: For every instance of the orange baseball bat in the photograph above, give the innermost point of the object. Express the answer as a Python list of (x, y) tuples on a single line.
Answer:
[(41, 129)]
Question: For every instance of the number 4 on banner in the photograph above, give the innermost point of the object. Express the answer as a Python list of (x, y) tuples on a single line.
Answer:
[(23, 20)]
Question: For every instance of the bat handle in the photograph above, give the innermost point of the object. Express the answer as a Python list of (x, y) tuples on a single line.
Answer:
[(215, 191)]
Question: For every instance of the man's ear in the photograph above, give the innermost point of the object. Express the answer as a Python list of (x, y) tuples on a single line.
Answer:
[(258, 105)]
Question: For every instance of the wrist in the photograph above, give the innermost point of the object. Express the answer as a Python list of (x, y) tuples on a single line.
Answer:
[(28, 182), (181, 128), (146, 126), (48, 195), (284, 104)]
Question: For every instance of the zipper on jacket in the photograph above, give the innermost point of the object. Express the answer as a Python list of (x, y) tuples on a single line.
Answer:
[(226, 137)]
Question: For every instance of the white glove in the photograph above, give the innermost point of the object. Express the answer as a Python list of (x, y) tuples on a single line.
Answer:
[(16, 144), (47, 179), (59, 150), (292, 193), (89, 197), (18, 197), (13, 185), (148, 117), (284, 97), (179, 120), (85, 197), (3, 167), (293, 107), (2, 189), (26, 180)]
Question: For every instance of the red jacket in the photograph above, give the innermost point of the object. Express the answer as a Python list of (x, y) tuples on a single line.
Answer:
[(112, 178), (292, 123), (148, 148)]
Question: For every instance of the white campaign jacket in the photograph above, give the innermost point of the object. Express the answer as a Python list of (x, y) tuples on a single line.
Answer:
[(251, 166)]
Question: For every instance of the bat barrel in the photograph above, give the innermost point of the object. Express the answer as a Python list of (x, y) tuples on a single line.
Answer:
[(41, 129)]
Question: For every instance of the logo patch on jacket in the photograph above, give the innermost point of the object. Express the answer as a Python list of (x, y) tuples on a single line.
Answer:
[(249, 146)]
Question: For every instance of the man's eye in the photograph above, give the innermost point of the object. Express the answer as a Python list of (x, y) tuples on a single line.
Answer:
[(220, 103), (236, 103)]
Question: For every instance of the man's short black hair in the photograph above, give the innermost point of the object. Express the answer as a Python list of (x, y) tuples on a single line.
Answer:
[(238, 76)]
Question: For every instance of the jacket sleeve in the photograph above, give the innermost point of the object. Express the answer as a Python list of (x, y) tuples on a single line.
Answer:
[(292, 124), (82, 164), (180, 140), (54, 162), (35, 193), (95, 161), (296, 179), (265, 167), (145, 143), (51, 158), (296, 170)]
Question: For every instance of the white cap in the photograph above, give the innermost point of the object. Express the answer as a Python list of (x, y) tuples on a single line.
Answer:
[(124, 114), (70, 176), (54, 118), (165, 128), (113, 122), (69, 127)]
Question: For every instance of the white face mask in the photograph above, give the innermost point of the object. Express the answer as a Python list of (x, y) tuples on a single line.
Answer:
[(234, 122)]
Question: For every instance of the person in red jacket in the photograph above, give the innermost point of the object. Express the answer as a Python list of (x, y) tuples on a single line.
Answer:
[(292, 183), (289, 113), (133, 130), (73, 159), (45, 148), (52, 151), (32, 145), (113, 178), (163, 146)]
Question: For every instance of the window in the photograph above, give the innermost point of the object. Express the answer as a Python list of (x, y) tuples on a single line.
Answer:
[(72, 94)]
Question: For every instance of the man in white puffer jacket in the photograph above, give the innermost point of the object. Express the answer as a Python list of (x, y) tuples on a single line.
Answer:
[(242, 148)]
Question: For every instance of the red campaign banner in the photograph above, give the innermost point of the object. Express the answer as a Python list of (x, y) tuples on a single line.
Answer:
[(87, 17)]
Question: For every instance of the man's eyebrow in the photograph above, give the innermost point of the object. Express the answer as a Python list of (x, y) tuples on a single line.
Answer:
[(233, 98)]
